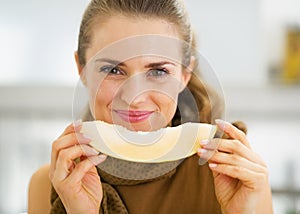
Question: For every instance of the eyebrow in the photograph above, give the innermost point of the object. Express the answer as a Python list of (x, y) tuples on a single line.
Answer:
[(158, 64), (150, 65), (111, 61)]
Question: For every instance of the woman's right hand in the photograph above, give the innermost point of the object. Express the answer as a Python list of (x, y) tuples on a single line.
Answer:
[(77, 184)]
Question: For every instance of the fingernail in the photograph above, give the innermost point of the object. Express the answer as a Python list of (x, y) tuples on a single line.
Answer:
[(87, 137), (221, 123), (77, 123), (83, 139), (94, 151), (102, 156), (204, 142), (98, 159), (202, 161), (90, 151), (202, 151), (212, 165)]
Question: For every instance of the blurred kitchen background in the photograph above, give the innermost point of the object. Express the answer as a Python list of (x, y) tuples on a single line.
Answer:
[(253, 45)]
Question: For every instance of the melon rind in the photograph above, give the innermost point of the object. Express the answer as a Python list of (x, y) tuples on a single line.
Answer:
[(166, 144)]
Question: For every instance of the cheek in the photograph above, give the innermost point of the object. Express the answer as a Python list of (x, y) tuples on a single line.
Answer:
[(104, 96), (166, 104), (101, 96)]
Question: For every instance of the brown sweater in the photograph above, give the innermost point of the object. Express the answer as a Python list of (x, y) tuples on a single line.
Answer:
[(188, 189)]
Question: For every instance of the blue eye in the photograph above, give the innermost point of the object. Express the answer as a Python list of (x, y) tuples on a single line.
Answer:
[(110, 70), (158, 73)]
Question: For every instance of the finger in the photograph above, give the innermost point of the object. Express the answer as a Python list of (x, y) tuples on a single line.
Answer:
[(76, 126), (209, 147), (67, 156), (63, 143), (236, 160), (251, 179), (233, 131), (84, 167), (212, 144), (73, 127), (234, 147)]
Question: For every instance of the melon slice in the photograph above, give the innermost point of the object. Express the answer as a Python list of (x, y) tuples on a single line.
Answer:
[(166, 144)]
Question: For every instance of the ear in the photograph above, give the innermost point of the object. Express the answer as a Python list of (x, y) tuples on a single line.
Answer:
[(187, 72), (79, 68)]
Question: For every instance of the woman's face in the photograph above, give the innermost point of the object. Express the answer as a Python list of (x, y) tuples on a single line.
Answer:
[(139, 93)]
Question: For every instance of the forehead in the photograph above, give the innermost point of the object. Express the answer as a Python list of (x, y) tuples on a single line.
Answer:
[(119, 27), (146, 61)]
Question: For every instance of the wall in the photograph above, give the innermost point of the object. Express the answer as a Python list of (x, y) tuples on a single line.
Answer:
[(241, 39)]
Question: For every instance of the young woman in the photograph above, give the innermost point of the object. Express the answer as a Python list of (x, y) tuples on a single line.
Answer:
[(123, 91)]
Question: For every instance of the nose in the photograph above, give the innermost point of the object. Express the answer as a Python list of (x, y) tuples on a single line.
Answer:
[(134, 91)]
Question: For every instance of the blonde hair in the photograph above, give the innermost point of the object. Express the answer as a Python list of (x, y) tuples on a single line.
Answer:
[(172, 11)]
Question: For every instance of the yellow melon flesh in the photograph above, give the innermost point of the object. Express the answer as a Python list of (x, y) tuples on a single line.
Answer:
[(166, 144)]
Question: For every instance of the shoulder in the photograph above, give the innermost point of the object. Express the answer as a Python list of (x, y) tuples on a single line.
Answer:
[(39, 191)]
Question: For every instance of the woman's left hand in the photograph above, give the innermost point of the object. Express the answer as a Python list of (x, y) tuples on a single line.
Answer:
[(240, 175)]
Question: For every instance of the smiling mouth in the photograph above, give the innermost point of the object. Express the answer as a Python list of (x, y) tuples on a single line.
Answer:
[(133, 116)]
